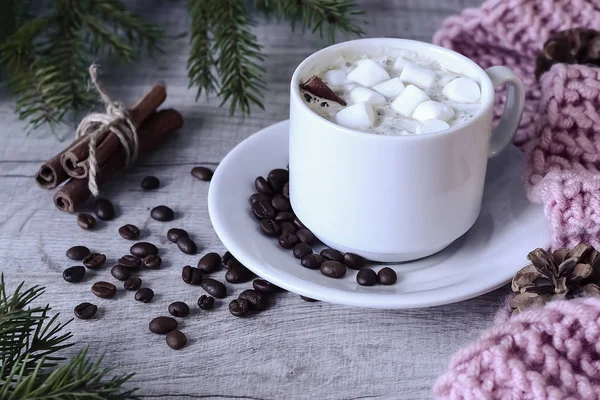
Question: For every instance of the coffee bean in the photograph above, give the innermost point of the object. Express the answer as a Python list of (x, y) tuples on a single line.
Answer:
[(162, 213), (387, 276), (86, 221), (263, 210), (265, 286), (284, 216), (270, 227), (312, 261), (176, 340), (150, 183), (94, 261), (280, 203), (145, 295), (239, 274), (78, 252), (143, 249), (276, 184), (202, 173), (132, 283), (206, 302), (214, 288), (258, 301), (179, 309), (298, 223), (152, 261), (85, 310), (366, 277), (239, 307), (129, 232), (104, 209), (209, 263), (279, 174), (74, 274), (104, 290), (306, 236), (256, 197), (287, 240), (162, 325), (301, 250), (187, 245), (174, 234), (287, 227), (308, 299), (354, 261), (225, 258), (333, 269), (286, 190), (192, 276), (120, 272), (262, 186), (332, 254), (131, 262)]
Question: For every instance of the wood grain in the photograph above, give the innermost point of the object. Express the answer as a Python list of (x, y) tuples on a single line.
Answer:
[(293, 350)]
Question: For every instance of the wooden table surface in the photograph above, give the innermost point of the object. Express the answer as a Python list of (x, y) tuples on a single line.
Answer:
[(294, 349)]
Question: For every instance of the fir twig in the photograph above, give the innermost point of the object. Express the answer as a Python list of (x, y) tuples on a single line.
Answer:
[(201, 60)]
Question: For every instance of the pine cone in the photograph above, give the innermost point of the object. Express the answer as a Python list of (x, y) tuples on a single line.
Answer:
[(573, 46)]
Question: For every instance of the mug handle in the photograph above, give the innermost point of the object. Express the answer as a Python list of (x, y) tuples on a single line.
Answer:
[(504, 133)]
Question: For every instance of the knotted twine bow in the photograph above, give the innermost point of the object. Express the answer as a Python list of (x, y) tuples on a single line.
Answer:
[(116, 119)]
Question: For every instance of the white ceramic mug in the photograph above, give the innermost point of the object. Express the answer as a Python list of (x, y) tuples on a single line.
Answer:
[(395, 198)]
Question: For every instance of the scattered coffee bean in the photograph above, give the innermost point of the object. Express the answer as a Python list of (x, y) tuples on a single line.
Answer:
[(306, 236), (280, 203), (152, 261), (366, 277), (354, 261), (162, 213), (104, 290), (143, 249), (104, 209), (387, 276), (78, 252), (332, 254), (308, 299), (313, 261), (239, 307), (179, 309), (187, 245), (265, 286), (214, 288), (258, 301), (333, 269), (286, 190), (298, 223), (263, 210), (131, 262), (301, 250), (174, 234), (287, 227), (162, 325), (287, 240), (239, 274), (256, 197), (86, 221), (150, 183), (94, 261), (206, 302), (145, 295), (120, 272), (225, 258), (262, 186), (270, 227), (176, 340), (210, 262), (85, 310), (284, 216), (133, 283), (192, 276), (129, 232), (202, 173), (74, 274)]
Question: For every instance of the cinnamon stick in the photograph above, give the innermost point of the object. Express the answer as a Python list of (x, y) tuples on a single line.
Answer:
[(74, 161), (51, 173), (152, 134)]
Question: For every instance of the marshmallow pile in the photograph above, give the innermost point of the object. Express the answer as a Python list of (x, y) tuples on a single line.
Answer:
[(406, 94)]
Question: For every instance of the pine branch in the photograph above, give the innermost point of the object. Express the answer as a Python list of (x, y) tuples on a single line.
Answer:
[(201, 61)]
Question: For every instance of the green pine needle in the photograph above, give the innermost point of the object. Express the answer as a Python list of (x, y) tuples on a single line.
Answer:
[(201, 60)]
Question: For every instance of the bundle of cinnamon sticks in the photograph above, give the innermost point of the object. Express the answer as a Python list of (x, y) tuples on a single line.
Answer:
[(154, 127)]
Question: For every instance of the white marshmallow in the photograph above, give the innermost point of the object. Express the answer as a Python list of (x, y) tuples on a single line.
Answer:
[(336, 77), (399, 64), (462, 90), (391, 88), (357, 116), (361, 94), (433, 110), (432, 125), (418, 76), (368, 73), (408, 100)]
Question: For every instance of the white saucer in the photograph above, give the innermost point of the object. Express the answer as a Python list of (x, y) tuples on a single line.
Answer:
[(484, 259)]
